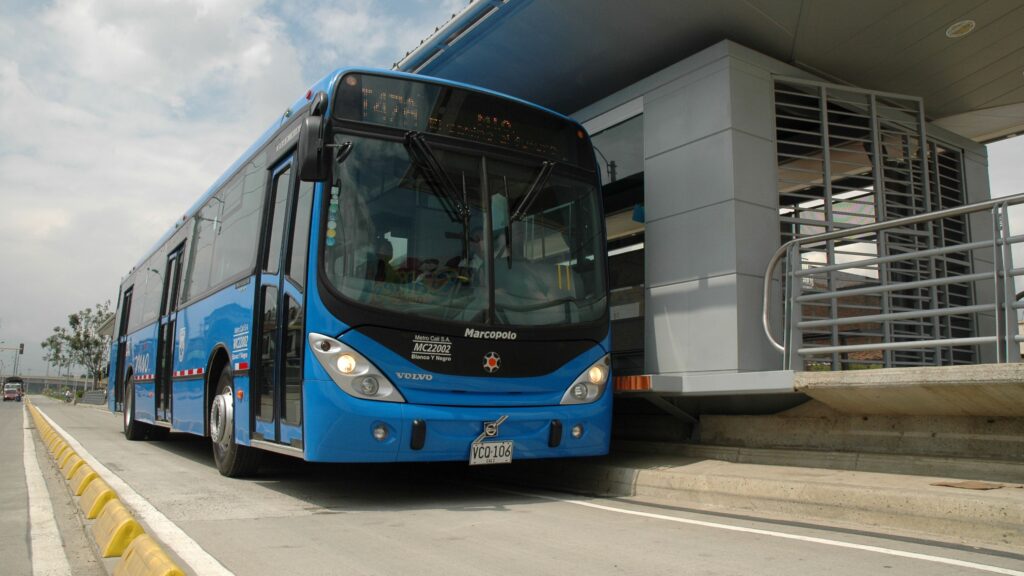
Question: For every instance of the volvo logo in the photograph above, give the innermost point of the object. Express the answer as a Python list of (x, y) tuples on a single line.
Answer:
[(492, 362), (491, 428), (414, 376)]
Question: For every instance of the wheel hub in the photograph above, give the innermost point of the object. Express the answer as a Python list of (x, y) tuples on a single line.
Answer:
[(221, 417)]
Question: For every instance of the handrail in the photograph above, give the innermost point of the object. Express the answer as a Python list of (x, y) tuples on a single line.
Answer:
[(868, 229)]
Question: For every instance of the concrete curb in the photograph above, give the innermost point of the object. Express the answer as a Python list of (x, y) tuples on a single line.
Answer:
[(916, 465), (881, 502), (114, 530)]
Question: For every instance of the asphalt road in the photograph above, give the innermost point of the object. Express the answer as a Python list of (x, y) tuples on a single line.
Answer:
[(14, 534), (302, 518)]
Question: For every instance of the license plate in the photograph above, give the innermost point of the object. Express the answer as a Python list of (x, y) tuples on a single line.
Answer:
[(490, 453)]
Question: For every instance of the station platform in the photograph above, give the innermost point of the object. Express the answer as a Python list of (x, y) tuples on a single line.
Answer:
[(969, 390), (958, 501)]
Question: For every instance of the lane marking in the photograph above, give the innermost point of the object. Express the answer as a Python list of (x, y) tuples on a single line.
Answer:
[(157, 524), (784, 535), (48, 558)]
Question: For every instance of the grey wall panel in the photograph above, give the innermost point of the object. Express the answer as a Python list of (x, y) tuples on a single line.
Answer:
[(756, 238), (686, 113), (987, 327), (689, 246), (750, 97), (754, 351), (691, 326), (725, 166), (976, 178), (689, 177), (754, 170)]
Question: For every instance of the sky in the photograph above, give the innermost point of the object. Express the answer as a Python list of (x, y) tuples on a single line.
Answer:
[(116, 115)]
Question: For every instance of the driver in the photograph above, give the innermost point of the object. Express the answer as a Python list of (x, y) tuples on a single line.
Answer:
[(470, 269)]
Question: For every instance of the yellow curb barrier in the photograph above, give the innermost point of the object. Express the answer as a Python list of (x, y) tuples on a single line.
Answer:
[(65, 457), (60, 453), (82, 478), (71, 465), (145, 557), (95, 497), (115, 529)]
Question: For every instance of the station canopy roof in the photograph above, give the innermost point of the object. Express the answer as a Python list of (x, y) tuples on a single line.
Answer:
[(566, 54)]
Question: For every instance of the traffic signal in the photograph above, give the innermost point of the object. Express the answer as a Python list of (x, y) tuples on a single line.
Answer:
[(21, 348)]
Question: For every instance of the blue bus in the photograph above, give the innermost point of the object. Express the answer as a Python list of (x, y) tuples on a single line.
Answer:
[(401, 268)]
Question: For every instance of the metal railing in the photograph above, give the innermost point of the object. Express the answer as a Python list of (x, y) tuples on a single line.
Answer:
[(882, 284)]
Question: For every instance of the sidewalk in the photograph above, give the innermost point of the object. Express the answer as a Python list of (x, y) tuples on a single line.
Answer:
[(704, 477)]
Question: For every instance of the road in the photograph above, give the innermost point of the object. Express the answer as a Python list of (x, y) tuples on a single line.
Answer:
[(302, 518), (14, 533)]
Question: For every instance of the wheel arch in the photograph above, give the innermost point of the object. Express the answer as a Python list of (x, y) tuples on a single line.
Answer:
[(219, 360), (129, 371)]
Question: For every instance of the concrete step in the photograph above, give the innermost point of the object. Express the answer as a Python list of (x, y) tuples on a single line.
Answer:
[(907, 505), (964, 468), (814, 426), (971, 390)]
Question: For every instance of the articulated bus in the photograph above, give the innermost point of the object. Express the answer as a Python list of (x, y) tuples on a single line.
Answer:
[(400, 269)]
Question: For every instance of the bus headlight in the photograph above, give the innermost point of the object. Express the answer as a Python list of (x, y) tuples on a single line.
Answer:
[(346, 363), (351, 371), (590, 385), (369, 386)]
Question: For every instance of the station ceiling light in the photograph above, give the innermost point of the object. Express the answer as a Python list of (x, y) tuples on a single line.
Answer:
[(960, 29)]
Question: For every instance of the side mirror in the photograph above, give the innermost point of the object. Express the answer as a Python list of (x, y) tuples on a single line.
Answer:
[(313, 163)]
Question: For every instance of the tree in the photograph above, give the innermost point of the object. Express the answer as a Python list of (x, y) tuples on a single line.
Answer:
[(57, 348), (80, 344), (89, 349)]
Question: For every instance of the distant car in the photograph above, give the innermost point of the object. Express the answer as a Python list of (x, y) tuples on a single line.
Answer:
[(12, 392)]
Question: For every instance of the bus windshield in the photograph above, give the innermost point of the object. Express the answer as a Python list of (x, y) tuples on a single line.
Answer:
[(449, 233)]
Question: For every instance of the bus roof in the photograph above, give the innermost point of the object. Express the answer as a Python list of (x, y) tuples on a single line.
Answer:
[(325, 84)]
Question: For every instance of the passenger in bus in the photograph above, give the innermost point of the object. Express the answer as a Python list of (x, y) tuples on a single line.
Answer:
[(382, 270)]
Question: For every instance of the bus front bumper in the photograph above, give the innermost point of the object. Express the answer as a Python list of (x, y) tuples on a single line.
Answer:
[(340, 428)]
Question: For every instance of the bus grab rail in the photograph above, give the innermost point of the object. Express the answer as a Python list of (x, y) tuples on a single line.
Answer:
[(1001, 240)]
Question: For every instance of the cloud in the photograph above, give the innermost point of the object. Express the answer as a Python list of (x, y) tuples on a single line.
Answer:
[(116, 115)]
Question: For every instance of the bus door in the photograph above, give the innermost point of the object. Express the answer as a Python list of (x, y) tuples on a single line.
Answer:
[(122, 348), (165, 343), (280, 317)]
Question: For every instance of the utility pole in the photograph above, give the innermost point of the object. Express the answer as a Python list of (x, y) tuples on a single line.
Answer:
[(21, 350), (17, 351)]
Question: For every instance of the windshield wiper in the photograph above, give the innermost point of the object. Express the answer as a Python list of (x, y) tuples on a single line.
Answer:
[(540, 305), (427, 163), (531, 194)]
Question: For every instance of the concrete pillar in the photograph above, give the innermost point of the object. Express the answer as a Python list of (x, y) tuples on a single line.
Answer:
[(711, 216)]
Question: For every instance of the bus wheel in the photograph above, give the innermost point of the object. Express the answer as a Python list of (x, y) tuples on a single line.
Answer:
[(133, 430), (233, 460)]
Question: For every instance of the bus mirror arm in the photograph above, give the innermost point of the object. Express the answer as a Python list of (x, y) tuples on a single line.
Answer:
[(313, 162), (341, 151)]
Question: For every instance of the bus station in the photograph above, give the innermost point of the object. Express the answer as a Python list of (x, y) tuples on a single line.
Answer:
[(724, 134)]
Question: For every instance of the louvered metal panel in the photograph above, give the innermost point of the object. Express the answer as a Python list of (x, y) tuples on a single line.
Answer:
[(848, 157)]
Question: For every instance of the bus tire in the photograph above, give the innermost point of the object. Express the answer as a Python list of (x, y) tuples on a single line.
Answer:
[(133, 429), (232, 459)]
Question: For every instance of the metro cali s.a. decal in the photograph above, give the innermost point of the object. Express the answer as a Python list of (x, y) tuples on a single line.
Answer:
[(435, 348)]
